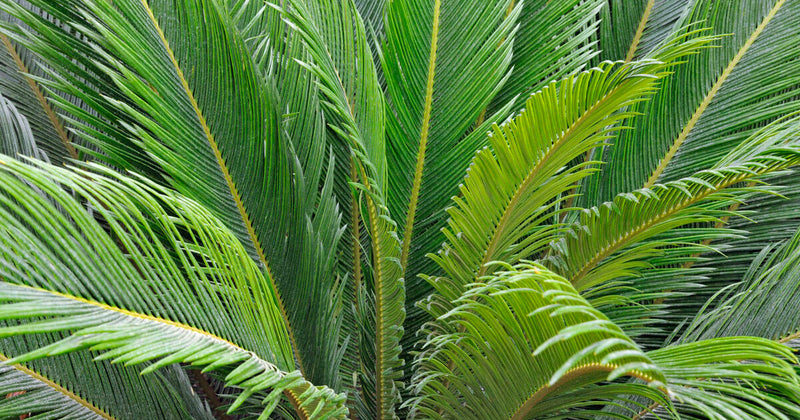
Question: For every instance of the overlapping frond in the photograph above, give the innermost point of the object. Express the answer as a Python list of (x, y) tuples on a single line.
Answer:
[(743, 378), (28, 392), (713, 102), (513, 189), (443, 62), (613, 244), (770, 220), (353, 104), (199, 280), (306, 263), (19, 69), (118, 390), (75, 384), (566, 47), (132, 338), (16, 136), (372, 11), (170, 110), (193, 98), (629, 30), (521, 340), (764, 304)]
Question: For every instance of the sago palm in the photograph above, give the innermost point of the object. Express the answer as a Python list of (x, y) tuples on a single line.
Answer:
[(459, 209)]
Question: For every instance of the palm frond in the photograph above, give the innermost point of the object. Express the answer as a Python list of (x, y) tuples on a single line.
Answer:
[(521, 340), (566, 47), (16, 136), (372, 11), (513, 190), (764, 304), (76, 383), (199, 279), (28, 392), (713, 102), (443, 62), (20, 69), (770, 220), (167, 92), (630, 30), (307, 263), (353, 105), (731, 378), (132, 338), (612, 244)]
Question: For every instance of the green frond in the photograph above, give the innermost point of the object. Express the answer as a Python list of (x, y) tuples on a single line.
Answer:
[(712, 103), (20, 69), (28, 392), (258, 173), (16, 136), (341, 60), (304, 259), (156, 237), (611, 246), (566, 47), (200, 281), (731, 378), (372, 11), (770, 220), (132, 338), (514, 188), (520, 342), (764, 304), (443, 62), (631, 29), (74, 385)]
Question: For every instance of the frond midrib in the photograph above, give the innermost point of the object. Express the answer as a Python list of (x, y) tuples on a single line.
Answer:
[(687, 129), (229, 180), (423, 140), (540, 394), (622, 240), (501, 225), (639, 31), (58, 126), (289, 393), (58, 388)]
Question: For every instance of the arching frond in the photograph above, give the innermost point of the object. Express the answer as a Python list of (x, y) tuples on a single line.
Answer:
[(629, 30), (76, 383), (312, 226), (566, 47), (131, 338), (20, 69), (27, 392), (524, 339), (764, 304), (623, 239), (201, 285), (514, 188), (712, 103), (353, 104), (194, 100), (731, 378), (443, 62), (16, 136)]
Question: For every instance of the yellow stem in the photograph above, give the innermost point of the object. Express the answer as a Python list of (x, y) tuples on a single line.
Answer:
[(710, 96), (71, 395), (639, 31), (229, 180), (48, 110), (423, 140)]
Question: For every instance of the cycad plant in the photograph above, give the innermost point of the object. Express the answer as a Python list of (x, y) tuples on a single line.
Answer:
[(467, 209)]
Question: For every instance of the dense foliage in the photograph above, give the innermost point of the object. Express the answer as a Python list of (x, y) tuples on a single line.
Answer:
[(467, 209)]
